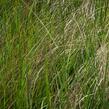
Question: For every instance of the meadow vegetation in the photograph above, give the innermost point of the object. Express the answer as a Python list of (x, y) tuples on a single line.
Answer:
[(54, 54)]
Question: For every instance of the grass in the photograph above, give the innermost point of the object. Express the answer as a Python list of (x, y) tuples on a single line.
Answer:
[(54, 54)]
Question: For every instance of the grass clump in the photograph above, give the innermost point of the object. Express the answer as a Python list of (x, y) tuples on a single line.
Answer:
[(54, 54)]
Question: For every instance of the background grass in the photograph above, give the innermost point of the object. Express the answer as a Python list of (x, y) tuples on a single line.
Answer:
[(54, 54)]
